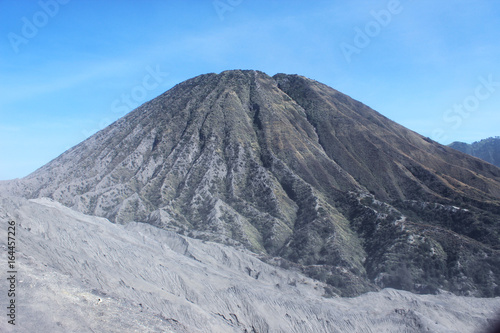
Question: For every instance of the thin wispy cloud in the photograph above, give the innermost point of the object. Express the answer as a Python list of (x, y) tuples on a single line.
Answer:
[(19, 87)]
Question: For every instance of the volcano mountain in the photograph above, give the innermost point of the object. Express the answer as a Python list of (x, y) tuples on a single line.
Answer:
[(297, 172)]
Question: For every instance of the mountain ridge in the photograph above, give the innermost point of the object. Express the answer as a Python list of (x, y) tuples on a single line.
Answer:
[(292, 169), (486, 149)]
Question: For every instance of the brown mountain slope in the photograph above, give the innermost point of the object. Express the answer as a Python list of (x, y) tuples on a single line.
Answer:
[(298, 172), (384, 156)]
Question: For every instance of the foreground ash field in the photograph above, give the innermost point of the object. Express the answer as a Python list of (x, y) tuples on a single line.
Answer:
[(81, 273)]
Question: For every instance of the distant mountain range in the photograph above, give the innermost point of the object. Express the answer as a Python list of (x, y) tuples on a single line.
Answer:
[(487, 149), (297, 172)]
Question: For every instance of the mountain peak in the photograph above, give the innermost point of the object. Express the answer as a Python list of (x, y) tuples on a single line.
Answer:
[(296, 171)]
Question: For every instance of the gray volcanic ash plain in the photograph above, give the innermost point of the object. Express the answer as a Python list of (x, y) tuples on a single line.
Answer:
[(81, 273)]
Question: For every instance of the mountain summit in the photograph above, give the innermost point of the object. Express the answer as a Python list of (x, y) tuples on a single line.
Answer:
[(297, 172)]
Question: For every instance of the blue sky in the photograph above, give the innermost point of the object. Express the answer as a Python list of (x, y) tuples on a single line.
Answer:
[(70, 67)]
